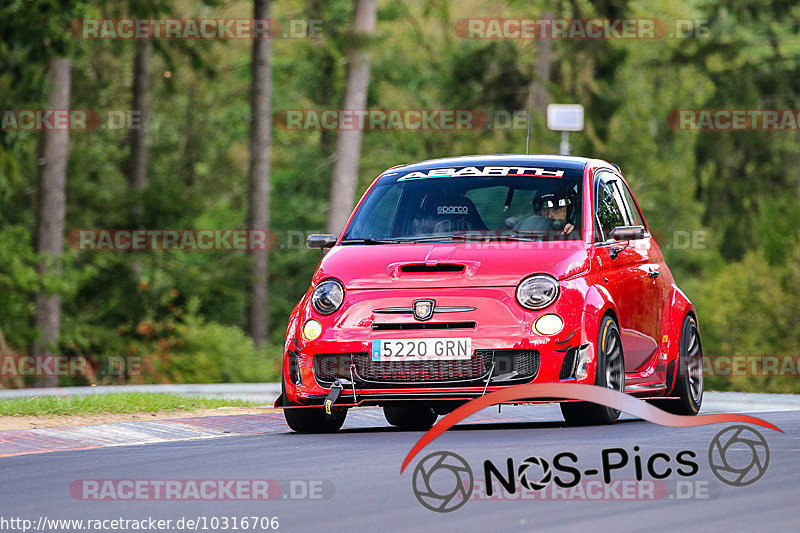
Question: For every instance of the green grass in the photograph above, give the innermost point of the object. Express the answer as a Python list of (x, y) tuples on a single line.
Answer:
[(122, 402)]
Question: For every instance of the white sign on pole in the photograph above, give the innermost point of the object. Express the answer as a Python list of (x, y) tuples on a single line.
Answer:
[(565, 117)]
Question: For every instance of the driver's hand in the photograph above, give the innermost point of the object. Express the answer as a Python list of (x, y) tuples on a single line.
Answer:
[(567, 229)]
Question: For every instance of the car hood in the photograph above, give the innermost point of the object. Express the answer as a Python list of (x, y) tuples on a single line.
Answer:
[(450, 264)]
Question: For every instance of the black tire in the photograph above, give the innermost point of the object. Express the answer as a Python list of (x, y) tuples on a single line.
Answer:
[(410, 416), (312, 419), (689, 374), (610, 373)]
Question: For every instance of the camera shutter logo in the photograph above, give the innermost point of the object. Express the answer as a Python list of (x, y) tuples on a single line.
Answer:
[(728, 451), (530, 482), (442, 482)]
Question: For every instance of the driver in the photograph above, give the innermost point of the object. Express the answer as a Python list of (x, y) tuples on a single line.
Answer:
[(554, 206)]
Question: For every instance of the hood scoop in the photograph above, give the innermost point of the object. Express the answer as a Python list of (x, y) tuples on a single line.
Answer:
[(430, 267)]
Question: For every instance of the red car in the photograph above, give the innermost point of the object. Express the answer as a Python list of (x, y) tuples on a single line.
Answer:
[(461, 276)]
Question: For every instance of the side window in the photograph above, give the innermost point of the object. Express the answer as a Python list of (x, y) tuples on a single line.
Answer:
[(380, 210), (609, 209), (635, 215)]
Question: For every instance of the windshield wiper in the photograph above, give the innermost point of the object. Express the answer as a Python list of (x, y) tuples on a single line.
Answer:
[(368, 241), (479, 237), (435, 238), (532, 235), (470, 237)]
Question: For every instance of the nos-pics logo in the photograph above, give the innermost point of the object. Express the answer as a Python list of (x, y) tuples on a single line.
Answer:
[(443, 481)]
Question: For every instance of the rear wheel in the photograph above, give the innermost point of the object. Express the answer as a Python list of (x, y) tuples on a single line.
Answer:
[(689, 374), (312, 419), (410, 416), (610, 373)]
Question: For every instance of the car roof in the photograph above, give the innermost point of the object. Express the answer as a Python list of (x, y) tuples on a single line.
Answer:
[(565, 162)]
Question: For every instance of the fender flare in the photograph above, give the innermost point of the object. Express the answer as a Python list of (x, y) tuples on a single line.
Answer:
[(598, 302), (679, 306)]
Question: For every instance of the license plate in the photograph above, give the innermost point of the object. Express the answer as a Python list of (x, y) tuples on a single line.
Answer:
[(421, 349)]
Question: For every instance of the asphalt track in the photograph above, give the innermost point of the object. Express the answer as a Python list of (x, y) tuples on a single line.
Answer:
[(362, 463)]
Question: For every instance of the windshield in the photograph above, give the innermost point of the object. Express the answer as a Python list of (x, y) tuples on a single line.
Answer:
[(510, 203)]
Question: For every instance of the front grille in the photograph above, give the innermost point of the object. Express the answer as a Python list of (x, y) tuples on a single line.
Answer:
[(523, 363), (328, 367), (422, 371), (509, 365), (422, 325)]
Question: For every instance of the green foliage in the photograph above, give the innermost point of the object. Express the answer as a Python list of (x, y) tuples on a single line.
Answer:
[(207, 352), (185, 348), (751, 308), (18, 284)]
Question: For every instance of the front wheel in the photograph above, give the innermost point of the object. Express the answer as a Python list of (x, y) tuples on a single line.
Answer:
[(689, 374), (311, 419), (610, 373)]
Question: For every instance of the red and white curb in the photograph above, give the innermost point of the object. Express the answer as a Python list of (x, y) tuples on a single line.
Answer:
[(28, 441)]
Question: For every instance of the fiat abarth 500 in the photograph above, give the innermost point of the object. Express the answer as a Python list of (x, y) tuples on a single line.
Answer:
[(461, 276)]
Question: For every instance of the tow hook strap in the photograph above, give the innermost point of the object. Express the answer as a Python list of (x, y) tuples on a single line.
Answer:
[(333, 395), (488, 380)]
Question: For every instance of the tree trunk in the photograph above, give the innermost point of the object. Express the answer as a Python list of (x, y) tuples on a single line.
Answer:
[(544, 61), (50, 214), (258, 176), (138, 135), (348, 144), (137, 177)]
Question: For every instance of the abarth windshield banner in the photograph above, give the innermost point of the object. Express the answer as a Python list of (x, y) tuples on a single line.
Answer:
[(528, 172)]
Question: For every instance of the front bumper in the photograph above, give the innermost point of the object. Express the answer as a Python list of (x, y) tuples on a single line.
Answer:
[(506, 351)]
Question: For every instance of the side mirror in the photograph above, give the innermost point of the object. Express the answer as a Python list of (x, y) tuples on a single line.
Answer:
[(627, 233), (321, 240)]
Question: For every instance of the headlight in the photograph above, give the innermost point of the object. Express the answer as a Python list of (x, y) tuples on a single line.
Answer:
[(537, 292), (328, 296)]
